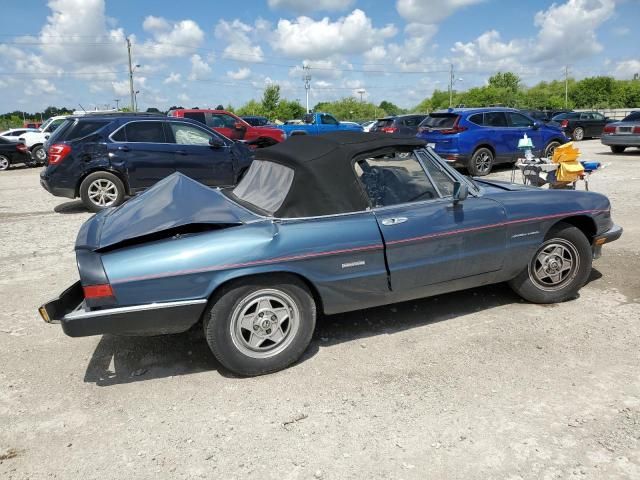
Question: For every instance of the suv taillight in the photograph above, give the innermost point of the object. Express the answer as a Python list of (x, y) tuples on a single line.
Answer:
[(564, 123), (389, 129), (57, 152)]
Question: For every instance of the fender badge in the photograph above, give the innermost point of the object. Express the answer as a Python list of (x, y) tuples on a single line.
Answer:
[(353, 264)]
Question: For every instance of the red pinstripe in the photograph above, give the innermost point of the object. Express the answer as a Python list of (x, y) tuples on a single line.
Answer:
[(346, 250)]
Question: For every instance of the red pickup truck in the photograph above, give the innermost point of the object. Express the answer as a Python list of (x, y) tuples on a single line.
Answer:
[(232, 126)]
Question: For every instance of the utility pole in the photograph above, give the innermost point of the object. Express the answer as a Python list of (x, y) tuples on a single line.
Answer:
[(566, 86), (117, 100), (306, 78), (130, 75), (451, 79)]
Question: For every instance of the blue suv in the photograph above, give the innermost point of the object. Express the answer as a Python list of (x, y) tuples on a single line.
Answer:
[(478, 138), (102, 158)]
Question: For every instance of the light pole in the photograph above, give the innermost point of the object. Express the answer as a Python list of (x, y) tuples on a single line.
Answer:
[(361, 91), (306, 78), (117, 100), (135, 100)]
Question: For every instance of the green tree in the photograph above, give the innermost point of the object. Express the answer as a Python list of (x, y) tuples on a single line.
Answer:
[(594, 92), (505, 80), (270, 100), (390, 108)]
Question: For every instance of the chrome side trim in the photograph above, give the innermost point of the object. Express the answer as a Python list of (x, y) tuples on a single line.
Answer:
[(78, 314)]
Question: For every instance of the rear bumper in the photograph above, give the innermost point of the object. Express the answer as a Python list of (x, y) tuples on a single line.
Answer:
[(70, 311), (56, 191), (611, 235), (621, 140)]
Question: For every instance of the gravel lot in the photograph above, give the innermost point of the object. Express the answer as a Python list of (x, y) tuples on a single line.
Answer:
[(476, 384)]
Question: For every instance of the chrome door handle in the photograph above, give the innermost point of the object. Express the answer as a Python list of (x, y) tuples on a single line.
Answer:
[(394, 220), (124, 148)]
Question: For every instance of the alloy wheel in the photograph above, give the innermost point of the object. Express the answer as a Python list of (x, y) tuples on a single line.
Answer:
[(40, 154), (264, 323), (4, 163), (555, 265), (578, 134), (483, 162), (102, 192)]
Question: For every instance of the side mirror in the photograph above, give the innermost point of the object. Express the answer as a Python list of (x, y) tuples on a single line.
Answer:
[(460, 191), (216, 142), (536, 125), (239, 126)]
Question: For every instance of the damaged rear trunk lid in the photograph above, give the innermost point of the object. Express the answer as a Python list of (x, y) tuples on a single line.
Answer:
[(175, 205)]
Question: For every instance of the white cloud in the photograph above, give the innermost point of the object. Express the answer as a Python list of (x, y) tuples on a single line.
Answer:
[(121, 88), (39, 86), (308, 6), (240, 74), (327, 68), (199, 68), (175, 39), (183, 97), (307, 38), (626, 69), (172, 78), (488, 53), (239, 45), (568, 31), (430, 11)]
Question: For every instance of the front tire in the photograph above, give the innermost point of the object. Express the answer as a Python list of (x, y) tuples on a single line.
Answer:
[(100, 190), (4, 163), (551, 147), (558, 269), (481, 162), (39, 154), (618, 148), (578, 134), (261, 325)]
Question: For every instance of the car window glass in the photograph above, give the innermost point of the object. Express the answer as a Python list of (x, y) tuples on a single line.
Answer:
[(440, 120), (495, 119), (220, 120), (265, 185), (632, 117), (476, 118), (146, 132), (197, 116), (413, 121), (189, 135), (4, 140), (328, 120), (55, 124), (518, 120), (119, 136), (442, 180), (79, 129), (394, 178), (597, 116)]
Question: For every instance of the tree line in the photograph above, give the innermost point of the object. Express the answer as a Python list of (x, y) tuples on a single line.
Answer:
[(503, 88)]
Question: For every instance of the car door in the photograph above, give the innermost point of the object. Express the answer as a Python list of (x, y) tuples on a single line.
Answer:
[(428, 238), (141, 150), (226, 125), (196, 157), (327, 124), (519, 125), (598, 124), (497, 134)]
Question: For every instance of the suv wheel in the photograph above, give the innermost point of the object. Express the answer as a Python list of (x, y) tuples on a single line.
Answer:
[(548, 152), (481, 162), (578, 134), (39, 154), (101, 190)]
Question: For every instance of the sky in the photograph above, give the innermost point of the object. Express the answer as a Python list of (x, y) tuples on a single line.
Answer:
[(209, 52)]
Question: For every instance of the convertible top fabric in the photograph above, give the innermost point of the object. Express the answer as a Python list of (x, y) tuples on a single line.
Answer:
[(324, 181)]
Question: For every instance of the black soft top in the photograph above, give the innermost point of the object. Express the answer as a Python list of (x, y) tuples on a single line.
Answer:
[(324, 181)]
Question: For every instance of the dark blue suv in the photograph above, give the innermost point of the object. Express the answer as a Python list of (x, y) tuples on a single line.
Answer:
[(102, 158), (478, 138)]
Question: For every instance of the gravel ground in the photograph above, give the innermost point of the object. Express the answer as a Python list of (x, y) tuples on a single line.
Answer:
[(476, 384)]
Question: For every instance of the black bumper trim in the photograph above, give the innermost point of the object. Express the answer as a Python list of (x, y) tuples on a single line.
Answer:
[(611, 235)]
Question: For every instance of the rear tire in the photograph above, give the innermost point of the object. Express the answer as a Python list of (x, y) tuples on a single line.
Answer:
[(558, 268), (100, 190), (618, 148), (4, 163), (261, 325), (39, 154), (578, 134), (481, 162)]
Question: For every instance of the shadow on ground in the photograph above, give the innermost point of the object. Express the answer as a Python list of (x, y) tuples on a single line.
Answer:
[(118, 360), (71, 207)]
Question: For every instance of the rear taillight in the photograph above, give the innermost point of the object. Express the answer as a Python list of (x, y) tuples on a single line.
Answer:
[(98, 291), (389, 129), (21, 147), (564, 123), (636, 129), (609, 129), (57, 152)]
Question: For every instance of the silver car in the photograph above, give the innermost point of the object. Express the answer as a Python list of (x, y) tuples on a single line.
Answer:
[(623, 134)]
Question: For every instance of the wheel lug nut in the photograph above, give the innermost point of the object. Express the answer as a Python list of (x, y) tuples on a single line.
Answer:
[(274, 318), (261, 314), (255, 327), (268, 331)]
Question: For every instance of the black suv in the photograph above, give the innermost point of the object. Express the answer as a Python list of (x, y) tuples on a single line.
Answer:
[(403, 124), (102, 158)]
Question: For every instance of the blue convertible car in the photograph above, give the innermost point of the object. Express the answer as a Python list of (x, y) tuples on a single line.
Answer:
[(320, 225)]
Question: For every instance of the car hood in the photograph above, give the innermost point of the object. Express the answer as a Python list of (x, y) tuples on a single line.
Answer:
[(175, 202)]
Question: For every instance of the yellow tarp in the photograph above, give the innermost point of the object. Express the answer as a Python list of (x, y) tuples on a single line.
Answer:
[(569, 168)]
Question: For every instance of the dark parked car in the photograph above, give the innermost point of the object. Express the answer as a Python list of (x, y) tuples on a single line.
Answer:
[(543, 115), (12, 152), (403, 124), (478, 138), (581, 125), (256, 121), (103, 158), (320, 225), (624, 134)]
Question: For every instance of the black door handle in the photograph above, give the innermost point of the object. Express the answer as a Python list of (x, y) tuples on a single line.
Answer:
[(181, 152), (123, 148)]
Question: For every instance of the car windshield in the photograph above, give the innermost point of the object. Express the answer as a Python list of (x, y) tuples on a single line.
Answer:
[(439, 120), (632, 117), (265, 185)]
